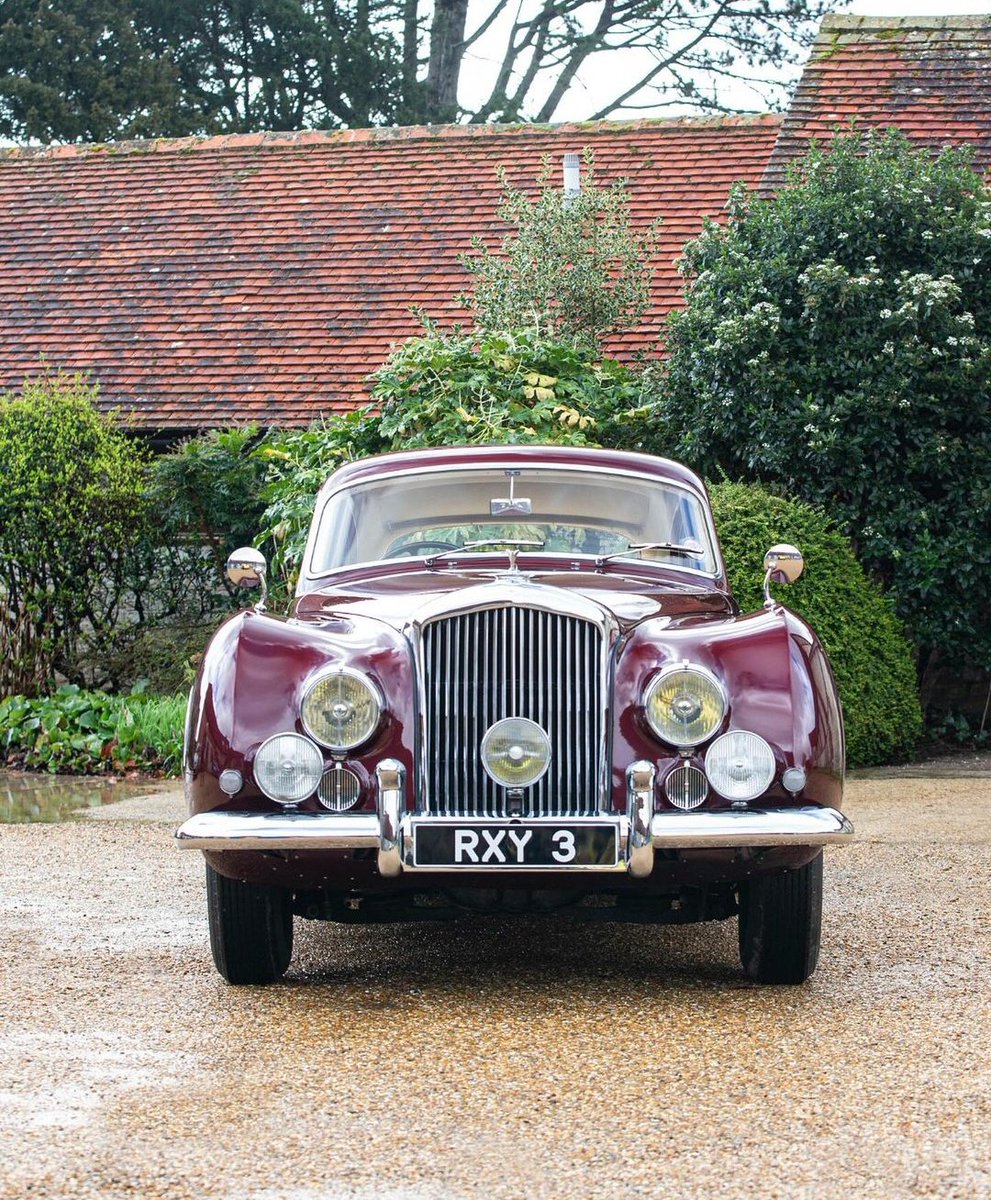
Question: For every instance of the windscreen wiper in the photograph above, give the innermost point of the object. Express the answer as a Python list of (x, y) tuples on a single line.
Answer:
[(685, 549), (515, 546)]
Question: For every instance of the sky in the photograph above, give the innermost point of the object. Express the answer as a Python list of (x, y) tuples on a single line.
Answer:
[(596, 86)]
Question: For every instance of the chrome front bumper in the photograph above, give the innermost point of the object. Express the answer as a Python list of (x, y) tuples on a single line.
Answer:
[(640, 831)]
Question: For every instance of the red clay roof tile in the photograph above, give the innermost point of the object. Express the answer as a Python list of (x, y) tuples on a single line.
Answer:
[(929, 76), (206, 281), (263, 276)]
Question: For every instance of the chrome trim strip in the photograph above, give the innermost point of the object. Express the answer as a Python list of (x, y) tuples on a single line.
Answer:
[(278, 831), (639, 808), (516, 592), (807, 826), (391, 778)]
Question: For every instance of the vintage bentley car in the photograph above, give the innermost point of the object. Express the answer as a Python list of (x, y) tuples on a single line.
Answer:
[(514, 680)]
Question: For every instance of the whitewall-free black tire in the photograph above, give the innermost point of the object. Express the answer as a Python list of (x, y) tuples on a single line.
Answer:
[(781, 923), (250, 929)]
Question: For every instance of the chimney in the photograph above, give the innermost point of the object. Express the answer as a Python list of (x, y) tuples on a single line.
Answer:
[(572, 176)]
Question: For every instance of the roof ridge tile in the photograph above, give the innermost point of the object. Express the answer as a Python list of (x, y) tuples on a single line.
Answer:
[(380, 134)]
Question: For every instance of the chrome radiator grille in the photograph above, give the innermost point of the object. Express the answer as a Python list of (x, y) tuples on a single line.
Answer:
[(511, 662)]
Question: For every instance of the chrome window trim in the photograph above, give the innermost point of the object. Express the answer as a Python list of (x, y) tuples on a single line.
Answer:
[(308, 574)]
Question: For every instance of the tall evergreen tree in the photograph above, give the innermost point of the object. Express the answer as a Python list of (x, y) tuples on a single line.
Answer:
[(77, 70)]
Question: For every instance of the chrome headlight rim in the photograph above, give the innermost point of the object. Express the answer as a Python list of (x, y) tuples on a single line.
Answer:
[(764, 770), (260, 755), (367, 731), (658, 682)]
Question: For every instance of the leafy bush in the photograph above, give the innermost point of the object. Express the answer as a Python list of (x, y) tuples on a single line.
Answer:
[(461, 389), (444, 390), (573, 272), (871, 658), (204, 500), (297, 463), (206, 493), (89, 733), (72, 511), (836, 346), (452, 389)]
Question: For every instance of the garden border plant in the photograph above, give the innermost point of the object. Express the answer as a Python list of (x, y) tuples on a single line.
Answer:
[(87, 733), (72, 512)]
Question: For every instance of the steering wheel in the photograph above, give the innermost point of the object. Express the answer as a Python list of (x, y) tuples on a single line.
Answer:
[(414, 548)]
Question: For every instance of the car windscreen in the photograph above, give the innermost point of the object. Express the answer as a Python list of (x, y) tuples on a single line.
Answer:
[(569, 510)]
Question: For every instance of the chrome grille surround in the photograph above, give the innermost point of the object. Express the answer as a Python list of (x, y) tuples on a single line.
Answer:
[(513, 648)]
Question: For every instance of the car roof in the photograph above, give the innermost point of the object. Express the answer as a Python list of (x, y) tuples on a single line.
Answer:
[(402, 462)]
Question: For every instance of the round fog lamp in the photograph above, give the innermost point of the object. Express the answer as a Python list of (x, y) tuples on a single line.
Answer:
[(288, 768), (340, 789), (515, 752), (740, 765), (341, 709), (684, 705)]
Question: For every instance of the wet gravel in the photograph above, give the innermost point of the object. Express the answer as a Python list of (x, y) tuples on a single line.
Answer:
[(499, 1059)]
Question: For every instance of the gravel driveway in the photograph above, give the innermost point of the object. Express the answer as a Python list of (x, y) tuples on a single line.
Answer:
[(495, 1059)]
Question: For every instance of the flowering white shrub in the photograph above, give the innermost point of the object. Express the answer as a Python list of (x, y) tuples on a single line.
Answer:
[(849, 320)]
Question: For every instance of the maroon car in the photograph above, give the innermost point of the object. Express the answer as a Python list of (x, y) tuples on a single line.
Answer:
[(514, 680)]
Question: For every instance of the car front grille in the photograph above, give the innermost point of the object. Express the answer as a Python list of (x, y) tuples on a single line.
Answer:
[(510, 661)]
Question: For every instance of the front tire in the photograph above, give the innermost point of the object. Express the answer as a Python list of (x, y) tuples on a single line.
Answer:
[(780, 924), (250, 929)]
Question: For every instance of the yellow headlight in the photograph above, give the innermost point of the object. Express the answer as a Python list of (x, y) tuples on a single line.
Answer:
[(341, 709), (685, 705)]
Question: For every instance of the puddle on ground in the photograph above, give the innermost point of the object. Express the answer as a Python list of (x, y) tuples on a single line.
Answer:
[(25, 797)]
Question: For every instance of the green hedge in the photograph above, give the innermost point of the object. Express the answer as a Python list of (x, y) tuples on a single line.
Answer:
[(72, 514), (872, 660)]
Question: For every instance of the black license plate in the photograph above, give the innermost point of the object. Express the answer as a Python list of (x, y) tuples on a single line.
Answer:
[(485, 845)]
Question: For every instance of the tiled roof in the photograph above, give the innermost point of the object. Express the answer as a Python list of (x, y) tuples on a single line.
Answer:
[(262, 277), (929, 76)]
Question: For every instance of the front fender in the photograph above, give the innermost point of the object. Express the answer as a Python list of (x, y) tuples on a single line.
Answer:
[(777, 681), (250, 686)]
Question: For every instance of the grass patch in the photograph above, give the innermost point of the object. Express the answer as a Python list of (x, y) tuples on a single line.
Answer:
[(76, 732)]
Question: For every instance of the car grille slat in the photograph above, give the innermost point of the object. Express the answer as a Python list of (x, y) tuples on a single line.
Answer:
[(510, 661)]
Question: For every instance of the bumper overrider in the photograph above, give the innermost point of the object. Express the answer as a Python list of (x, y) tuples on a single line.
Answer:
[(497, 842)]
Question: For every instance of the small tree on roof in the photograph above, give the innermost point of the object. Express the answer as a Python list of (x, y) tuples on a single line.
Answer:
[(575, 270)]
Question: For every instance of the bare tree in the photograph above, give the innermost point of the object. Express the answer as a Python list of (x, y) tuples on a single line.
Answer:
[(99, 69), (658, 53)]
